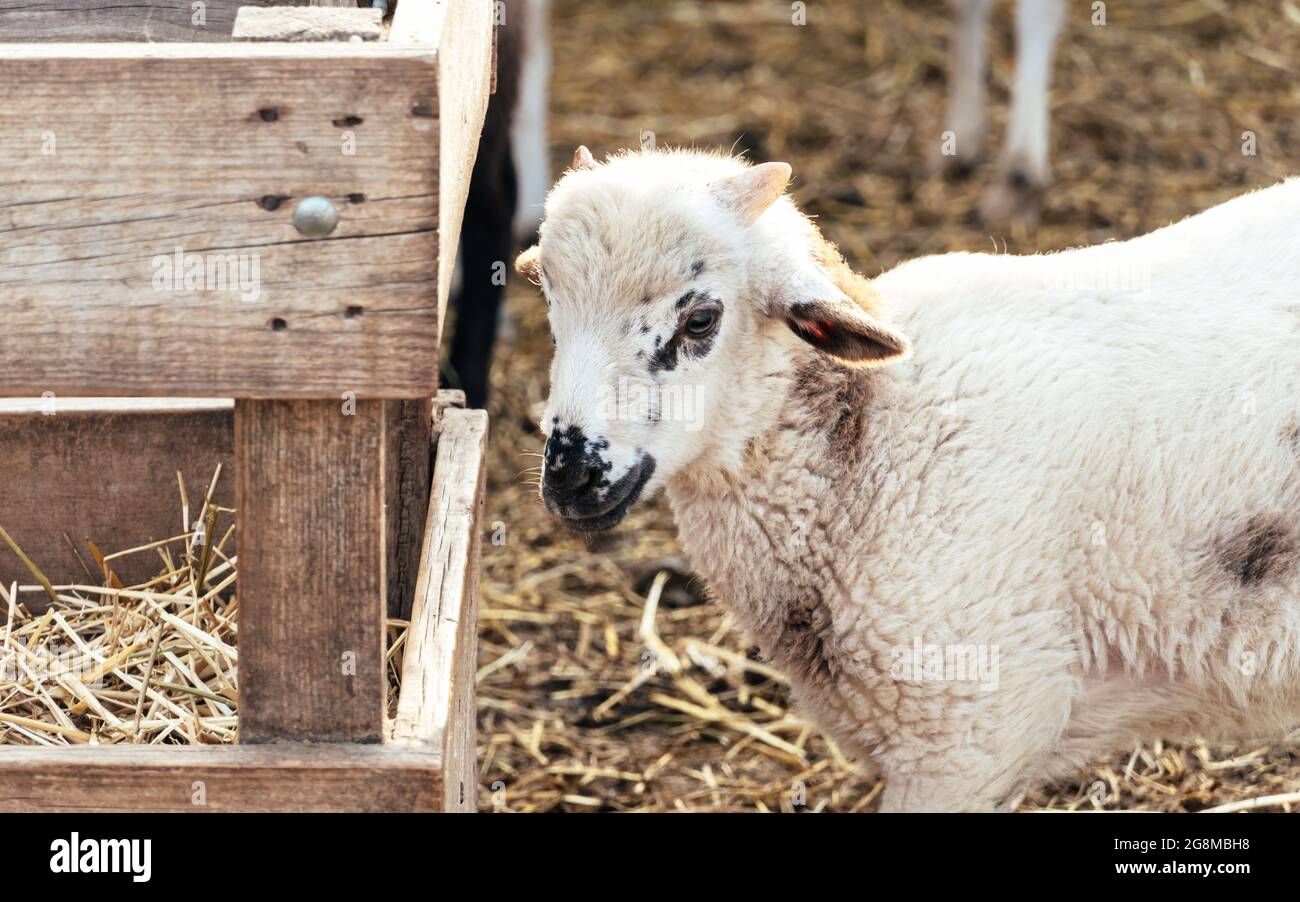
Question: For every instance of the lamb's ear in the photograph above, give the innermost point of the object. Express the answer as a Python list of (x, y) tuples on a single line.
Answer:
[(748, 194), (842, 329), (582, 159), (821, 314), (529, 265)]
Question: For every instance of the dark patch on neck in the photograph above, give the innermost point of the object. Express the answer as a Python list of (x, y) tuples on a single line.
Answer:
[(1264, 549), (803, 641), (833, 400)]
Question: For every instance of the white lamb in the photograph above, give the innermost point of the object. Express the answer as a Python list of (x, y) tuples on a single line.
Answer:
[(993, 515)]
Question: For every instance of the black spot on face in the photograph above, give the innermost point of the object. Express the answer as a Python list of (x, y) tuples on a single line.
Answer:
[(572, 460), (1265, 548), (576, 483), (668, 353), (664, 359), (697, 268), (348, 121)]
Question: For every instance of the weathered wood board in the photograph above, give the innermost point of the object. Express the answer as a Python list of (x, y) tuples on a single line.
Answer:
[(436, 708), (140, 20), (167, 177), (287, 777), (409, 433), (465, 74), (312, 570), (310, 23), (106, 471)]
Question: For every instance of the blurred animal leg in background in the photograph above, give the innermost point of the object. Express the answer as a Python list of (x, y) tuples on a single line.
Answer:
[(1023, 170), (966, 93), (529, 135), (488, 233)]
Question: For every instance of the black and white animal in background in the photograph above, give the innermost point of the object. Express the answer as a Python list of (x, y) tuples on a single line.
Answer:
[(506, 192)]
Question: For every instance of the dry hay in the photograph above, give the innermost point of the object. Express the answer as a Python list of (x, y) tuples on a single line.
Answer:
[(157, 663), (581, 703)]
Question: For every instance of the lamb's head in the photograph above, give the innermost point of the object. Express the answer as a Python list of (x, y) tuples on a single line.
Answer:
[(677, 284)]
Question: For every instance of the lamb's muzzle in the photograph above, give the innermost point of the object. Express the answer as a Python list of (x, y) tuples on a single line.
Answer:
[(576, 485)]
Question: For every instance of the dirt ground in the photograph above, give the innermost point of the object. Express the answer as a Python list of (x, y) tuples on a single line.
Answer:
[(589, 698)]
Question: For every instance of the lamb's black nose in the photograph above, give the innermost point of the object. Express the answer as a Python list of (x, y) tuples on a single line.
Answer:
[(571, 469)]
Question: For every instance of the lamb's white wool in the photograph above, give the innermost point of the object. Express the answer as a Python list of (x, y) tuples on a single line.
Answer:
[(1070, 519)]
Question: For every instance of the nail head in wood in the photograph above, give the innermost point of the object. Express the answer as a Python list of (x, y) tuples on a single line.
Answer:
[(315, 217)]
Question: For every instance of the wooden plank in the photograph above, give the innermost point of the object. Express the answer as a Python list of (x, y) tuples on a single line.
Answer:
[(465, 35), (140, 20), (105, 469), (421, 21), (288, 777), (413, 427), (312, 570), (410, 467), (464, 82), (315, 23), (436, 708), (208, 152)]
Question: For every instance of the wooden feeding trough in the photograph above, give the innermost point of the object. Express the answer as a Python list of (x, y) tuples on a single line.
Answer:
[(340, 167)]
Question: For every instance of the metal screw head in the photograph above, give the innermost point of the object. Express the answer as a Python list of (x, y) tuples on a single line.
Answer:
[(315, 216)]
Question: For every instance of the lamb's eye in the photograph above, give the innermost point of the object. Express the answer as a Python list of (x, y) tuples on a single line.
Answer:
[(702, 323)]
